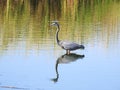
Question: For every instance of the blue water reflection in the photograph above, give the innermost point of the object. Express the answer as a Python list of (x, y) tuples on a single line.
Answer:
[(99, 69)]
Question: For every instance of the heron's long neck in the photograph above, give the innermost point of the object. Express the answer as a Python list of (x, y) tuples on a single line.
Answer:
[(58, 29)]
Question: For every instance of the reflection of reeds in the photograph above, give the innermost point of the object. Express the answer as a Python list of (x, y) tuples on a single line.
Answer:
[(80, 21)]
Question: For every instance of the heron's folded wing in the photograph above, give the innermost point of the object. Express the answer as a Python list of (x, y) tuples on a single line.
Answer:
[(69, 45)]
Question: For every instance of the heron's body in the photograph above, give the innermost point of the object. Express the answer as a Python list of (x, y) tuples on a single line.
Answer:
[(69, 46), (66, 45)]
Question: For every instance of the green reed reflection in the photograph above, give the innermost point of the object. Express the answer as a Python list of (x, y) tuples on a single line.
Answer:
[(80, 20)]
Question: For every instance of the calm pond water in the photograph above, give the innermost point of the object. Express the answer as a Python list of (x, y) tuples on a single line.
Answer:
[(30, 58)]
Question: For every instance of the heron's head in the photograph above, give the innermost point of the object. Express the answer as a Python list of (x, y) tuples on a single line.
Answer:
[(54, 24)]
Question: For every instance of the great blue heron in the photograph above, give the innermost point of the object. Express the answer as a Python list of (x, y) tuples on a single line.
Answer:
[(66, 45)]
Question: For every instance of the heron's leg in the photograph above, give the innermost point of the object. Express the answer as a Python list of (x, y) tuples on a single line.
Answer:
[(67, 51)]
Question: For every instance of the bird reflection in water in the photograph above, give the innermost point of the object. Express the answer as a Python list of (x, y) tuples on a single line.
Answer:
[(65, 59)]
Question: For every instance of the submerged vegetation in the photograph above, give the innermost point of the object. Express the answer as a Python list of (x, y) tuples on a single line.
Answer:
[(28, 20)]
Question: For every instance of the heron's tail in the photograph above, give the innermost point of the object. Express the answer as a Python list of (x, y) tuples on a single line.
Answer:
[(82, 47)]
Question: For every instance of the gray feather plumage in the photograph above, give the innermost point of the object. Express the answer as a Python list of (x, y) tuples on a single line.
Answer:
[(67, 45)]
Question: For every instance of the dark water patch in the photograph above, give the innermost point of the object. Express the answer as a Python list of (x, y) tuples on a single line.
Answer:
[(13, 87)]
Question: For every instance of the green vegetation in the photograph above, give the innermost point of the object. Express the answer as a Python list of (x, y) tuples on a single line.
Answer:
[(28, 20)]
